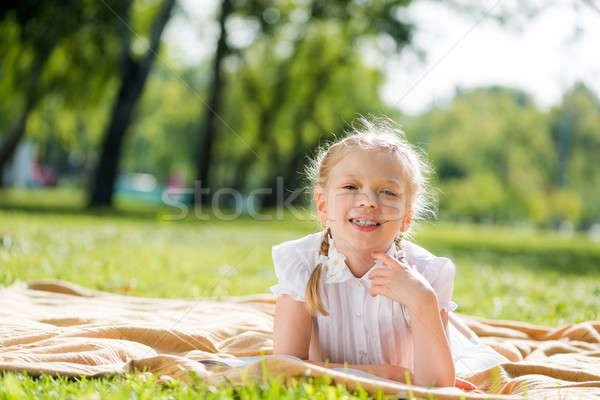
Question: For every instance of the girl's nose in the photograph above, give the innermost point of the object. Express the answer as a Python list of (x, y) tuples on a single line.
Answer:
[(367, 200)]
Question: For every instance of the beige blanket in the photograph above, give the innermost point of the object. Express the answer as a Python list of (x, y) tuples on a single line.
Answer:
[(54, 327)]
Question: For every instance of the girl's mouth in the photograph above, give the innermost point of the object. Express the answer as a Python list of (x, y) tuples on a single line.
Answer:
[(364, 225)]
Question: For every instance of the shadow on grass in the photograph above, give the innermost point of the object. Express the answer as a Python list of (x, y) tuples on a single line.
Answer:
[(566, 261), (169, 215), (69, 210)]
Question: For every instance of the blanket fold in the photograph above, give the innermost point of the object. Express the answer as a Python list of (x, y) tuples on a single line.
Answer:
[(56, 327)]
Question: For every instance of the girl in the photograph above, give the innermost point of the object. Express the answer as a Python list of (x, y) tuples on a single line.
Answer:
[(357, 292)]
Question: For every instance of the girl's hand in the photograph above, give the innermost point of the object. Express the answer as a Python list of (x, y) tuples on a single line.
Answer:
[(400, 282)]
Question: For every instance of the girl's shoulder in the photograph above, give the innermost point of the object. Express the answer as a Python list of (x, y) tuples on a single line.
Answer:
[(428, 264), (304, 250), (439, 271), (294, 262), (415, 253)]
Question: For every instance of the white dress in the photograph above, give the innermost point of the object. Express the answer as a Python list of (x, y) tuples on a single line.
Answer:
[(362, 329)]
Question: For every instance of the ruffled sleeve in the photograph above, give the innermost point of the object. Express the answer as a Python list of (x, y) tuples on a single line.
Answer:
[(443, 282), (292, 272)]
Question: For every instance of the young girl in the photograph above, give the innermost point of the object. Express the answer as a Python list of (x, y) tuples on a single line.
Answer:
[(358, 291)]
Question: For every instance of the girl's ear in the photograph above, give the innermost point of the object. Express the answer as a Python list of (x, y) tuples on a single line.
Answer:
[(407, 219), (319, 196)]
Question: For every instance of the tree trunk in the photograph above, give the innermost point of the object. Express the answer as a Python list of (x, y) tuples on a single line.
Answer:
[(269, 111), (563, 143), (291, 167), (213, 109), (134, 78), (17, 133)]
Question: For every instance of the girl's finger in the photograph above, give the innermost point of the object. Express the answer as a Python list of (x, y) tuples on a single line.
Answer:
[(380, 256), (379, 281), (380, 290), (380, 272), (386, 259), (375, 290)]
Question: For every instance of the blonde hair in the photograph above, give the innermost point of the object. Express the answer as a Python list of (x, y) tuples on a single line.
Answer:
[(378, 134)]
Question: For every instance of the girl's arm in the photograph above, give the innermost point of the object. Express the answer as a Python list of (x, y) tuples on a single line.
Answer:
[(292, 330), (433, 362), (402, 282), (393, 372), (444, 316)]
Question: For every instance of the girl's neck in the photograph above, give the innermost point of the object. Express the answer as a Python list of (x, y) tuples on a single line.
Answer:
[(358, 261)]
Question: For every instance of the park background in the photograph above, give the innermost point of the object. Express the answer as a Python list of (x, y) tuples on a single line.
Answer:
[(112, 111)]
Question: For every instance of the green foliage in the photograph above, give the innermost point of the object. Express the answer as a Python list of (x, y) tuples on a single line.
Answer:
[(575, 130), (326, 85), (478, 196), (76, 76), (496, 159), (164, 136)]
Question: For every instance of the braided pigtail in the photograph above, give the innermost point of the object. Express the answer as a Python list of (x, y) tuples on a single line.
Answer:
[(399, 250), (314, 303)]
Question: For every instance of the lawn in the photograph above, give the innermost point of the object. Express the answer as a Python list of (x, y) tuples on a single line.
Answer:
[(502, 273)]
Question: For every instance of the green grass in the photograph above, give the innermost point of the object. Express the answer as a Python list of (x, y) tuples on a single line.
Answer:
[(502, 273), (137, 385)]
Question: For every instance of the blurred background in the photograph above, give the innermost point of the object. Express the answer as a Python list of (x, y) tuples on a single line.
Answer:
[(107, 101), (112, 111)]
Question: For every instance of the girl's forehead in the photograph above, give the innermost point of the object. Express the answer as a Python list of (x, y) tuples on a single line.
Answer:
[(370, 155), (376, 164)]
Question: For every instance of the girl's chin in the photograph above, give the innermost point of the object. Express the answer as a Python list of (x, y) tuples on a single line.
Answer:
[(367, 241)]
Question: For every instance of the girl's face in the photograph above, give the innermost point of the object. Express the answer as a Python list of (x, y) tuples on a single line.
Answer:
[(365, 188)]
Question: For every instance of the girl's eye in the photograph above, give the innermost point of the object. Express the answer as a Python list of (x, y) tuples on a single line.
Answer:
[(349, 186), (389, 192)]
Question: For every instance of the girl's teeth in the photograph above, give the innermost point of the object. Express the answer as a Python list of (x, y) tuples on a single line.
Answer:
[(364, 222)]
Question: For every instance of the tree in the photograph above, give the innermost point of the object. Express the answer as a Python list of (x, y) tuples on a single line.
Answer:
[(57, 46), (272, 90), (492, 153), (575, 132), (42, 26), (214, 102), (134, 73)]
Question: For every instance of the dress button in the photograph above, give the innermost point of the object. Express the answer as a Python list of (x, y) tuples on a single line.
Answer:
[(358, 314)]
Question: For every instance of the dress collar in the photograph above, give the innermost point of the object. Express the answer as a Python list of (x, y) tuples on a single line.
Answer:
[(336, 270)]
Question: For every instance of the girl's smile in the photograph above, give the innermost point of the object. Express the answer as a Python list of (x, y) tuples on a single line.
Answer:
[(365, 222)]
